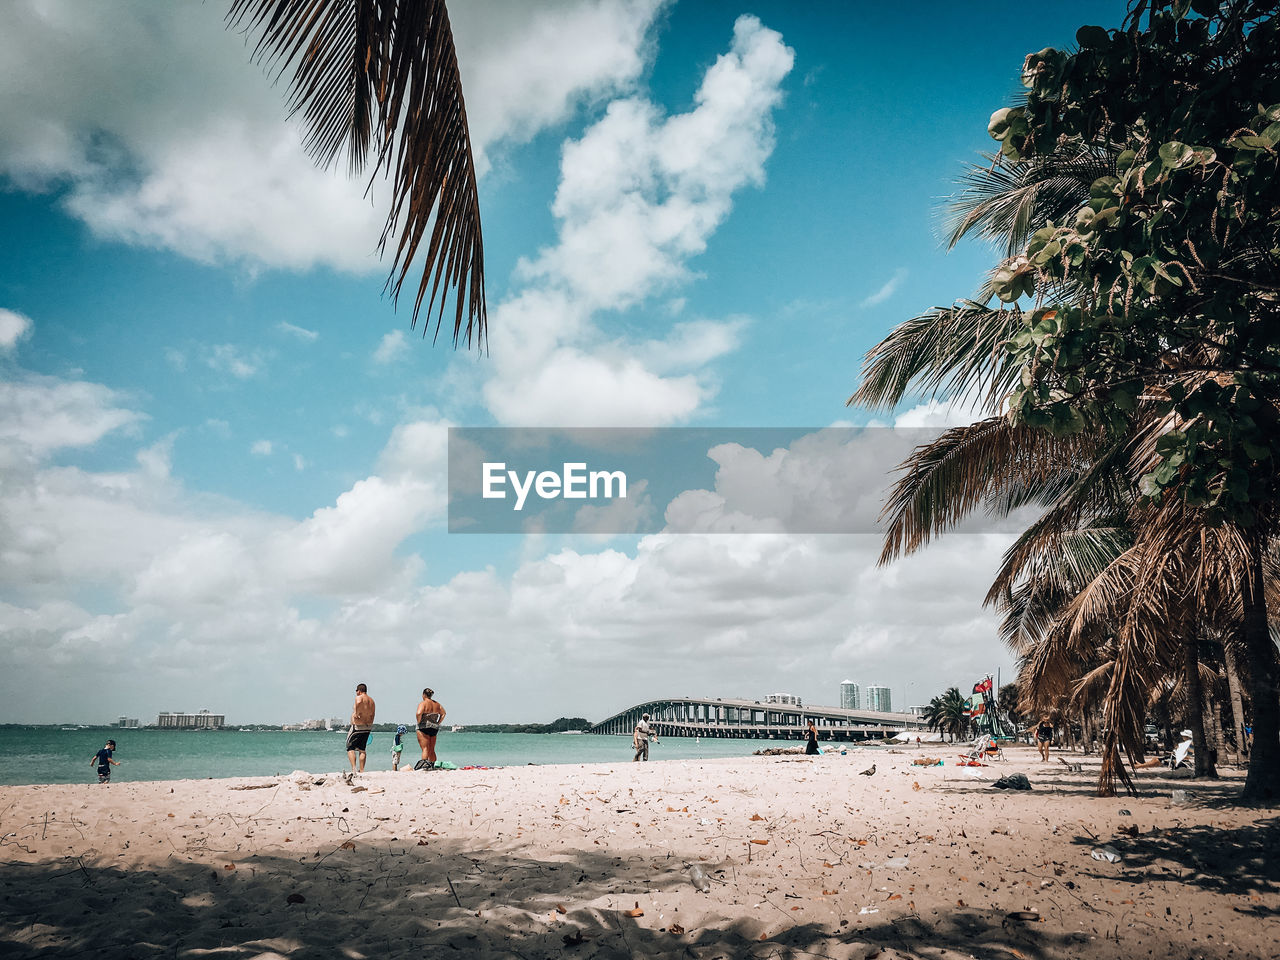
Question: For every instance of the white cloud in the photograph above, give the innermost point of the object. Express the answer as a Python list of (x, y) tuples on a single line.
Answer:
[(45, 414), (639, 196), (228, 359), (13, 327), (163, 134), (185, 586), (391, 347), (941, 414), (527, 67), (262, 448), (886, 291), (302, 333)]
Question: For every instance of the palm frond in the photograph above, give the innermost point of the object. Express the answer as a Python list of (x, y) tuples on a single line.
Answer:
[(1008, 200), (954, 350), (381, 78), (943, 481)]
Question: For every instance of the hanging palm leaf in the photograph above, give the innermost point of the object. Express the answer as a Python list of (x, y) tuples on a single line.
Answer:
[(379, 78)]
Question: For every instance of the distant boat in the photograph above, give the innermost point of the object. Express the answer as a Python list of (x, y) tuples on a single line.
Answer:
[(457, 728)]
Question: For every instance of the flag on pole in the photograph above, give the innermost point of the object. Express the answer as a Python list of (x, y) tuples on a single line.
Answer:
[(983, 687)]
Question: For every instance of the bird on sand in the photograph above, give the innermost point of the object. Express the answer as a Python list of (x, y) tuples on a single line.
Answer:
[(867, 773)]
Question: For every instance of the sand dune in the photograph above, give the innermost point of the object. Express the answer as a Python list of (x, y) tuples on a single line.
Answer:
[(805, 858)]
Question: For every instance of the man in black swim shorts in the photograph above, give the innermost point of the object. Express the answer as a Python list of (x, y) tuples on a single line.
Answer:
[(430, 714), (361, 727)]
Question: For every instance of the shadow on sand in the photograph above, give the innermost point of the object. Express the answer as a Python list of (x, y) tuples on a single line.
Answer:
[(442, 901)]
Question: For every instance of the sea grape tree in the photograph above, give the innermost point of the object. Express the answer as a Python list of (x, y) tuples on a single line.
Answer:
[(1174, 268)]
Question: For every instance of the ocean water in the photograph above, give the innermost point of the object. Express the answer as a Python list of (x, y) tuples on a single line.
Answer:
[(51, 755)]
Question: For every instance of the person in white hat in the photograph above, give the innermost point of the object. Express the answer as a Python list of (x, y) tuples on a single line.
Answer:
[(640, 739)]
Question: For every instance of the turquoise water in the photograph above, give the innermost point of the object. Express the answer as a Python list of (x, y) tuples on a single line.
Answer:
[(51, 755)]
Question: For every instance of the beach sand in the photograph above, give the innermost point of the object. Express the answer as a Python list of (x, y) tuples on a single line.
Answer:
[(806, 857)]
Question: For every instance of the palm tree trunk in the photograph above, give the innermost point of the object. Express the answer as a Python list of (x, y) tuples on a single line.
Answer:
[(1263, 780), (1213, 727), (1195, 702), (1166, 724), (1237, 701)]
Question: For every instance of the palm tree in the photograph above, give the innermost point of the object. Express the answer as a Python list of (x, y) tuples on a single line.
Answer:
[(379, 79), (1087, 482), (947, 712)]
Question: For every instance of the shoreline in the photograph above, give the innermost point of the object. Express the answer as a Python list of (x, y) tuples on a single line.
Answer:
[(802, 853)]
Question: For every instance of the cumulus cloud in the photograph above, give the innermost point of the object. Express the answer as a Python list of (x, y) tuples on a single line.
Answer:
[(941, 414), (43, 414), (13, 327), (639, 195), (161, 133), (262, 448), (186, 586)]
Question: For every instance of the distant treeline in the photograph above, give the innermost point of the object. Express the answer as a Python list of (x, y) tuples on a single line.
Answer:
[(562, 725)]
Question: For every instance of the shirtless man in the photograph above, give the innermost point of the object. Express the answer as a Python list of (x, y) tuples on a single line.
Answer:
[(361, 725), (430, 715)]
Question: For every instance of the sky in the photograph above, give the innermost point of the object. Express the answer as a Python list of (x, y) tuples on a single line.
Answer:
[(223, 451)]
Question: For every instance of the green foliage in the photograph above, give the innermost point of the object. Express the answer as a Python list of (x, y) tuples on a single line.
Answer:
[(1177, 249), (948, 712), (561, 725)]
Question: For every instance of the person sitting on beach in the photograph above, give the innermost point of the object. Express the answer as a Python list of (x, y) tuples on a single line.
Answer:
[(1174, 760), (640, 739), (361, 727), (430, 715), (397, 746), (103, 759)]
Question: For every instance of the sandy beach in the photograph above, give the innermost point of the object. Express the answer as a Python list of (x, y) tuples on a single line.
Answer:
[(805, 856)]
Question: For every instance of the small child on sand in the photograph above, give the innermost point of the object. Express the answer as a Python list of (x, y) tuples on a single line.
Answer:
[(103, 759), (397, 748)]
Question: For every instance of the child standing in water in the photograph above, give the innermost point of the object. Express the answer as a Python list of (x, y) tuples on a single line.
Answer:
[(397, 748), (103, 759)]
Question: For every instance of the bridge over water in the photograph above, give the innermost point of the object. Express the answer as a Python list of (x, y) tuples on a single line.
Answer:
[(755, 719)]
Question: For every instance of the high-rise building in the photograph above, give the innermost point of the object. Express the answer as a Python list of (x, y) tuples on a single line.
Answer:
[(879, 699), (849, 699), (204, 720)]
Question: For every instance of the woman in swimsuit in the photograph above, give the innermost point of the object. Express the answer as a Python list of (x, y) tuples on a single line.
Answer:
[(430, 715)]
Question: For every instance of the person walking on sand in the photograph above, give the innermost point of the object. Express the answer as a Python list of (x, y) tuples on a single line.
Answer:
[(640, 739), (430, 715), (812, 746), (103, 759), (1044, 738), (361, 727)]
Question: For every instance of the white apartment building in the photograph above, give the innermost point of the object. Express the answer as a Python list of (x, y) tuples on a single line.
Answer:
[(849, 696), (204, 720)]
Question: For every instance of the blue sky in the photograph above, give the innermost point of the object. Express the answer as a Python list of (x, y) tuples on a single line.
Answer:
[(222, 449)]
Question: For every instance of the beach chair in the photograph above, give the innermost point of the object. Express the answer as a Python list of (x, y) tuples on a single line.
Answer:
[(986, 747), (1180, 755)]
